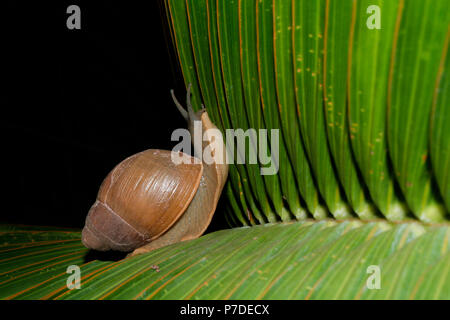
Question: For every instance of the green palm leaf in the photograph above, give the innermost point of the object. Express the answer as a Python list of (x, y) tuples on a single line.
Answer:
[(250, 85), (289, 113), (440, 131), (417, 51), (317, 71), (301, 260), (368, 87), (269, 105), (308, 28), (337, 36)]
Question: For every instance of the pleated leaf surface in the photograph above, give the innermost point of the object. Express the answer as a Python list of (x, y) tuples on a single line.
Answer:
[(300, 260)]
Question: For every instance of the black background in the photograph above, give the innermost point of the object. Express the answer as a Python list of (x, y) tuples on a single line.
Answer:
[(77, 102)]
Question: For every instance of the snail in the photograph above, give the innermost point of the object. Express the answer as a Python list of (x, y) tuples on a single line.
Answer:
[(147, 201)]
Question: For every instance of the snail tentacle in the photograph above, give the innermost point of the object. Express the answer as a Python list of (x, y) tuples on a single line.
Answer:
[(179, 106)]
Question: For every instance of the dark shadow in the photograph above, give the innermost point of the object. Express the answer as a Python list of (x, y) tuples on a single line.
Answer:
[(104, 256), (218, 221)]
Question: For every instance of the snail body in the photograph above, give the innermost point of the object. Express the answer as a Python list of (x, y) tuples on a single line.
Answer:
[(147, 201)]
